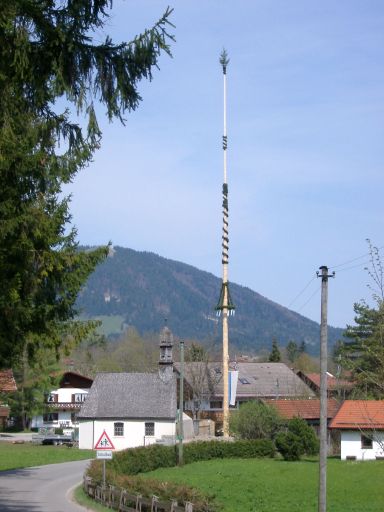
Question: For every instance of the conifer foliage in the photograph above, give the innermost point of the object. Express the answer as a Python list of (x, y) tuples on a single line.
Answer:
[(363, 349), (47, 52)]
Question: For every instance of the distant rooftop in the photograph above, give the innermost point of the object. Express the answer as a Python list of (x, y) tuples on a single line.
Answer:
[(256, 380), (333, 382), (306, 409), (7, 381)]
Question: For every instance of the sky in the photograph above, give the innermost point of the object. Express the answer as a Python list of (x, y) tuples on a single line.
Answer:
[(305, 147)]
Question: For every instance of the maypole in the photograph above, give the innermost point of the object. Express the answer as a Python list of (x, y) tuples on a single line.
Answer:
[(225, 305)]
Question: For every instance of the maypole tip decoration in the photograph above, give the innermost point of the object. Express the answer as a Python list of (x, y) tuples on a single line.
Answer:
[(224, 61)]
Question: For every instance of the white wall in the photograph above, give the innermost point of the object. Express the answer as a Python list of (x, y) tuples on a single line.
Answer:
[(188, 429), (351, 445), (134, 432), (86, 435)]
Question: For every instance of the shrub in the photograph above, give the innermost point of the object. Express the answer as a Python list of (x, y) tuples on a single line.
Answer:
[(144, 459), (148, 458), (202, 502), (289, 445), (299, 438), (206, 450), (307, 435), (255, 420)]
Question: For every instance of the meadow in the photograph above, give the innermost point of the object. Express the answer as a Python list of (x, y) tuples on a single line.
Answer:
[(15, 456), (274, 485)]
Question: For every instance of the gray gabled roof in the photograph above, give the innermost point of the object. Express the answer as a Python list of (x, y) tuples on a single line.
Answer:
[(130, 396), (256, 380)]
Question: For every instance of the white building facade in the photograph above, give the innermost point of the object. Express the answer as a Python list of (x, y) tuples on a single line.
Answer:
[(361, 445), (126, 433), (63, 404)]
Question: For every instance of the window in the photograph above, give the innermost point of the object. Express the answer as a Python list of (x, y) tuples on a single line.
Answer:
[(366, 443), (118, 429), (51, 417), (52, 397), (216, 404), (79, 397), (149, 429), (243, 380)]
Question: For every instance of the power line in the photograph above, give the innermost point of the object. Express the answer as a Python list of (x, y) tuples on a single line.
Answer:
[(302, 291), (354, 259), (310, 298), (354, 266), (347, 262)]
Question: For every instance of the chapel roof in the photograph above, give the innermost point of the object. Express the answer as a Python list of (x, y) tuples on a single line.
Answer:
[(130, 396)]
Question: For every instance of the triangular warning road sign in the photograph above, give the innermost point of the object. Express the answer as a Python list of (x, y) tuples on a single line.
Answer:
[(104, 443)]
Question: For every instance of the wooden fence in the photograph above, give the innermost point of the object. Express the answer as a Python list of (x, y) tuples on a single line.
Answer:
[(122, 501)]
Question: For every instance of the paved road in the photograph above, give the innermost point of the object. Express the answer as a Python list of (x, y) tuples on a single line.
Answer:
[(41, 489)]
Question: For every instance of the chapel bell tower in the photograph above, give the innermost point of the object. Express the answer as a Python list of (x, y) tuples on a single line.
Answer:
[(166, 357)]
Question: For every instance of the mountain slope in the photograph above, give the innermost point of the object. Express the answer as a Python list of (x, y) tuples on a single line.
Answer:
[(145, 288)]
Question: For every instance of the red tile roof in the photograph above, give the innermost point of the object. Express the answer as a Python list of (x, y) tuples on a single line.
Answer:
[(358, 414), (332, 381), (4, 411), (7, 381), (306, 409)]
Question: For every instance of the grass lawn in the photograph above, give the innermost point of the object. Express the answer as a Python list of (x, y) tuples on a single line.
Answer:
[(268, 485), (14, 456)]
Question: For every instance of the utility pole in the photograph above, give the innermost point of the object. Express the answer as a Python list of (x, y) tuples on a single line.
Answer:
[(322, 502), (181, 404), (225, 305)]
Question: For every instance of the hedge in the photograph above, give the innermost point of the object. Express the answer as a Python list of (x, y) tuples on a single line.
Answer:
[(149, 458)]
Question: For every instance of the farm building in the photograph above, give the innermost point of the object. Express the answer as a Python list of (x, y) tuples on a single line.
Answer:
[(361, 427)]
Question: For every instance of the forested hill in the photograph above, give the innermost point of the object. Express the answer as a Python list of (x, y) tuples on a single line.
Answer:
[(145, 288)]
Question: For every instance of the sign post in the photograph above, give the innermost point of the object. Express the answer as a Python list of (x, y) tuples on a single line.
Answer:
[(104, 447)]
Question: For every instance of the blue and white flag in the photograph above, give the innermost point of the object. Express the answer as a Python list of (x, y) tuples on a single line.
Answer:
[(233, 376)]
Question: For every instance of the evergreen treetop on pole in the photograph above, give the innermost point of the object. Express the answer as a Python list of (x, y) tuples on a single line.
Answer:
[(224, 61)]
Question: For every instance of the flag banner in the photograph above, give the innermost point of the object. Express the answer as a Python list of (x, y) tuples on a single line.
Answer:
[(233, 376)]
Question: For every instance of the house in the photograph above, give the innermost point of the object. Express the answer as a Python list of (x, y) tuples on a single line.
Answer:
[(134, 409), (7, 385), (336, 387), (63, 403), (361, 427), (204, 386)]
